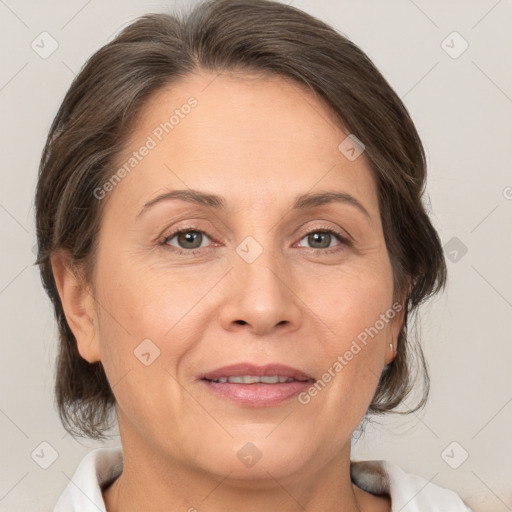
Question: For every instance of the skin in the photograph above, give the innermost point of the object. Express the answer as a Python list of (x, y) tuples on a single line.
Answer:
[(259, 142)]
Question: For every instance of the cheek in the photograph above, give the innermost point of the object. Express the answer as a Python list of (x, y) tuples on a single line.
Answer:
[(139, 366), (144, 302), (351, 299), (356, 309), (148, 320)]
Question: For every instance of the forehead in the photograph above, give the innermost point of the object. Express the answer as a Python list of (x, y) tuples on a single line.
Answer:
[(240, 107), (252, 135)]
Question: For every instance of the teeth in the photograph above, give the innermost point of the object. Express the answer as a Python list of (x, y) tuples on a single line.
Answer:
[(254, 379)]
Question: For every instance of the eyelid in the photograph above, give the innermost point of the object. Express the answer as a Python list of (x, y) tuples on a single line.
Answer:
[(345, 241), (342, 233)]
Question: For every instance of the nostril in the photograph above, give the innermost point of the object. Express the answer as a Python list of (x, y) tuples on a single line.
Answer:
[(241, 322)]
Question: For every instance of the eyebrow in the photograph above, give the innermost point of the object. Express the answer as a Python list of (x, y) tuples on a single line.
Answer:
[(302, 202)]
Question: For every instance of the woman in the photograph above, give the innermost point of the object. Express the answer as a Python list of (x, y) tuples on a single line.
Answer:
[(231, 230)]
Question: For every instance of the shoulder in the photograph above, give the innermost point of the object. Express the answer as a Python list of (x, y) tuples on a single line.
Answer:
[(408, 492), (96, 469)]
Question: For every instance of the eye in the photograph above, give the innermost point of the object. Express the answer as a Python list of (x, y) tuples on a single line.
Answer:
[(191, 240), (321, 239), (187, 239)]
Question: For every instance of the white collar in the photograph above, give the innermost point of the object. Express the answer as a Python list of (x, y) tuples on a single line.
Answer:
[(408, 492)]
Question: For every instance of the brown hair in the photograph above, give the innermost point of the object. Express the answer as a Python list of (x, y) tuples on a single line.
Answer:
[(263, 36)]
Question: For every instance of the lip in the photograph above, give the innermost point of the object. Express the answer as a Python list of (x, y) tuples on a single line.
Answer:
[(257, 394), (236, 370)]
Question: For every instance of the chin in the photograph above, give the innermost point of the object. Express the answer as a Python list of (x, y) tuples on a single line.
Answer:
[(256, 458)]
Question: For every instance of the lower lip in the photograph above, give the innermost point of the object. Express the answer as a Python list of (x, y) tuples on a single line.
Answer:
[(259, 394)]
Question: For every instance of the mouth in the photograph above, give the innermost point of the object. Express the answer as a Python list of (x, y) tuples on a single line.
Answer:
[(257, 386), (255, 379)]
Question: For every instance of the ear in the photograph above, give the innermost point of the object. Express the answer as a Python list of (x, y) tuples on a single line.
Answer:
[(78, 304), (394, 328)]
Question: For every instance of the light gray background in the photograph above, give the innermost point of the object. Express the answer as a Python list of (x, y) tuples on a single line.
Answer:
[(462, 108)]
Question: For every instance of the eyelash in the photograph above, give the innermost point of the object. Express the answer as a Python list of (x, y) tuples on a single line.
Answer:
[(339, 236)]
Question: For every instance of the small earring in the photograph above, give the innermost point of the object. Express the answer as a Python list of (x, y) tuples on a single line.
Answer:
[(391, 347)]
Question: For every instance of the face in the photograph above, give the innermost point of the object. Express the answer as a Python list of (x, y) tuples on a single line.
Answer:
[(254, 278)]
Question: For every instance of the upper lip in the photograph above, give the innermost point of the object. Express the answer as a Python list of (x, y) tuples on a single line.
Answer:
[(241, 369)]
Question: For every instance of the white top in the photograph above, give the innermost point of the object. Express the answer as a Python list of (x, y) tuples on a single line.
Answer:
[(408, 492)]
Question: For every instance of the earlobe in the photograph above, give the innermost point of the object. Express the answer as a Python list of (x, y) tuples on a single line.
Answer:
[(78, 305), (394, 333), (390, 353)]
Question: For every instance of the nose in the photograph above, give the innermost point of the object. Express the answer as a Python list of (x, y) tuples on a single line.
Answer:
[(261, 297)]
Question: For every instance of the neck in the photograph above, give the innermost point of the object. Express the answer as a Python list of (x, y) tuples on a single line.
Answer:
[(150, 478)]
